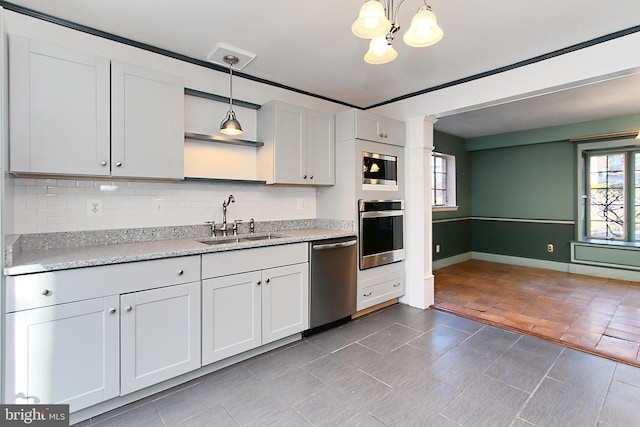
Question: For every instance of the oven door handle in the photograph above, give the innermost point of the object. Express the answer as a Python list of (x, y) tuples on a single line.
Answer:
[(334, 245), (377, 214)]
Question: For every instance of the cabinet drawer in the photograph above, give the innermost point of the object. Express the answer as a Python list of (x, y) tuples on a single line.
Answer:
[(240, 261), (376, 294), (57, 287)]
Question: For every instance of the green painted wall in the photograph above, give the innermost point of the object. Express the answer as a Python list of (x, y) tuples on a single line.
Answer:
[(454, 238), (525, 182)]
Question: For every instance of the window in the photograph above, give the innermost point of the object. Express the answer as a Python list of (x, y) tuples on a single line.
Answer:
[(612, 202), (443, 182)]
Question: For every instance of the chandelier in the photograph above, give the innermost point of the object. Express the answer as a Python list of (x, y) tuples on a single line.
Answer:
[(378, 21), (230, 125)]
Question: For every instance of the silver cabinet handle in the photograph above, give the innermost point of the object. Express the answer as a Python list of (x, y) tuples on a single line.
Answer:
[(368, 294), (334, 245), (396, 285), (180, 273), (304, 177), (46, 292), (118, 164), (267, 281), (128, 308), (311, 177), (112, 311), (103, 163)]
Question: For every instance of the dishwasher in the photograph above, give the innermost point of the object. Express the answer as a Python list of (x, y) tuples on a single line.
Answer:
[(333, 281)]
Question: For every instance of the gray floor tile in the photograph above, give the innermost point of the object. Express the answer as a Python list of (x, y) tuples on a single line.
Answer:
[(426, 320), (399, 365), (487, 402), (279, 362), (397, 313), (215, 416), (439, 340), (465, 325), (459, 367), (627, 374), (259, 405), (441, 421), (361, 389), (228, 383), (520, 369), (340, 337), (433, 391), (332, 367), (538, 346), (144, 415), (293, 386), (287, 418), (329, 407), (558, 404), (521, 423), (490, 341), (586, 371), (400, 409), (176, 407), (621, 405), (389, 339)]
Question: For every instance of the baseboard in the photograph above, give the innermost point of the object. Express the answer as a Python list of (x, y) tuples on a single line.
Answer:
[(609, 273), (525, 262), (446, 262)]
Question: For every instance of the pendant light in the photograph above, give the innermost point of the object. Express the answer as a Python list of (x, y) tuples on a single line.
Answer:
[(230, 125)]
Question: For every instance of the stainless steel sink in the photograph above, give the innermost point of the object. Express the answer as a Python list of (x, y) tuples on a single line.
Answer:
[(238, 239), (263, 237)]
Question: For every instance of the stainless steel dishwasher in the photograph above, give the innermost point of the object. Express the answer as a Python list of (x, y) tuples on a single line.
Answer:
[(334, 266)]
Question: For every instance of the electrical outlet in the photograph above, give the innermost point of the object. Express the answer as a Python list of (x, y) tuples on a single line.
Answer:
[(158, 206), (300, 204), (437, 249), (94, 207), (550, 247)]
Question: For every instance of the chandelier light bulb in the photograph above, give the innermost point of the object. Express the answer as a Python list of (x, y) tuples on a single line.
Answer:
[(424, 30), (380, 52), (372, 21)]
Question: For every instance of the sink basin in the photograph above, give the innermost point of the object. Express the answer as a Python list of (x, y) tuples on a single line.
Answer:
[(263, 237), (238, 239)]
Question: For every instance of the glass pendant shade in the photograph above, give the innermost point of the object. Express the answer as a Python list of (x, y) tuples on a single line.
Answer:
[(380, 52), (372, 21), (230, 125), (424, 30)]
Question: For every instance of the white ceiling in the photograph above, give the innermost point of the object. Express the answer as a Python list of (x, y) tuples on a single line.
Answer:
[(309, 46)]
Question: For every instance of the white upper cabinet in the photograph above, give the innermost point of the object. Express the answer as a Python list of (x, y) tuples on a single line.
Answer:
[(147, 123), (74, 113), (58, 110), (298, 147), (357, 124)]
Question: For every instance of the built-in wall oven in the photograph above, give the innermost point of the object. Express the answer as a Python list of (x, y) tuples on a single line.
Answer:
[(381, 232)]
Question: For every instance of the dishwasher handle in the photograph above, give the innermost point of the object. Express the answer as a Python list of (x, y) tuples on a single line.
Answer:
[(334, 245)]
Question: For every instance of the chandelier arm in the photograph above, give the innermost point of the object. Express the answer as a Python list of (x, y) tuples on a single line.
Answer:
[(395, 14)]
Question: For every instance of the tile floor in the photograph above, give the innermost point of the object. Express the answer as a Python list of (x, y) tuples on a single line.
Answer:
[(594, 314), (403, 367)]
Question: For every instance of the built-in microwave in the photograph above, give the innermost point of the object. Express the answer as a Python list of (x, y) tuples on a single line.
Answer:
[(379, 169)]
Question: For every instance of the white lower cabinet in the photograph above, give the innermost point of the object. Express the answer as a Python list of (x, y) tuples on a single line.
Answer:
[(67, 353), (159, 335), (244, 309), (87, 335)]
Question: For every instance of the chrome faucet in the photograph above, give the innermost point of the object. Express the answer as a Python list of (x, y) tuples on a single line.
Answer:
[(224, 213)]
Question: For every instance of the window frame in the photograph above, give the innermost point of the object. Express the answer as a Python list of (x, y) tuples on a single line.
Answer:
[(450, 182), (630, 147)]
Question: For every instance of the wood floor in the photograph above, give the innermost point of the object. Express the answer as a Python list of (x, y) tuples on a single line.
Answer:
[(597, 315)]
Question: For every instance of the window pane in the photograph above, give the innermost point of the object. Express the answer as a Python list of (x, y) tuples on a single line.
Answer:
[(439, 180), (606, 196), (637, 201)]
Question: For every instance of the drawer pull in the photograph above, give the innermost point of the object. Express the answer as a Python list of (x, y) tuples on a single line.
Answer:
[(368, 294), (258, 283), (396, 285), (46, 292), (180, 273), (128, 308), (112, 311), (268, 280)]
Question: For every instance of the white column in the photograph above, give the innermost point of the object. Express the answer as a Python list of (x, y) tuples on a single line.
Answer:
[(418, 234)]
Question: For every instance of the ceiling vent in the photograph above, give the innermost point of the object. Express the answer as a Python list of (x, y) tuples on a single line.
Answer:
[(220, 50)]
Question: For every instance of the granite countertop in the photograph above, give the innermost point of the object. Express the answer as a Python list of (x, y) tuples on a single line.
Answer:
[(28, 261)]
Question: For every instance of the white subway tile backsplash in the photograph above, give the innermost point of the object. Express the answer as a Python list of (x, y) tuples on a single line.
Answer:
[(50, 205)]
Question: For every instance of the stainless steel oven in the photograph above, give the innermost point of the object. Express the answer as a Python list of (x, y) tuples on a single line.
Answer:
[(381, 232)]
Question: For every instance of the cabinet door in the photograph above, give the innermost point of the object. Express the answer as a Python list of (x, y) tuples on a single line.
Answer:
[(59, 110), (369, 126), (285, 301), (290, 135), (147, 123), (320, 148), (160, 335), (231, 315), (68, 353), (394, 132)]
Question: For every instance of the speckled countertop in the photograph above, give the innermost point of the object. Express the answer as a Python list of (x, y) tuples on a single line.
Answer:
[(30, 260)]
